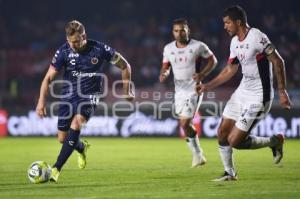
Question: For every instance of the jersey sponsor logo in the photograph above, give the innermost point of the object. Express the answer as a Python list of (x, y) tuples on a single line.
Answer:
[(249, 77), (81, 74), (246, 46), (72, 55), (181, 59), (94, 60), (72, 61)]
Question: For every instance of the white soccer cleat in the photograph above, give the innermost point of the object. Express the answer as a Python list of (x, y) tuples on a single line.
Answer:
[(198, 160), (226, 177)]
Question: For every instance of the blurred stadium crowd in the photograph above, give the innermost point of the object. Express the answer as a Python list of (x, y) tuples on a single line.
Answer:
[(31, 31)]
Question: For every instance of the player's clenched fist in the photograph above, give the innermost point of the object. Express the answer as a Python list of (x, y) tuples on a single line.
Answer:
[(41, 110), (201, 88), (284, 99)]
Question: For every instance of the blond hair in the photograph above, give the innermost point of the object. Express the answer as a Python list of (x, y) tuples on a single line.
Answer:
[(73, 27)]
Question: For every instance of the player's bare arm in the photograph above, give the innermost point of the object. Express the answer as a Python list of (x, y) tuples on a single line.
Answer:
[(279, 67), (164, 72), (211, 64), (120, 62), (226, 74), (41, 106)]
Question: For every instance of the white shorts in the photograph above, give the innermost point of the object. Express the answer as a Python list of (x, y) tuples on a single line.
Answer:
[(187, 105), (245, 111)]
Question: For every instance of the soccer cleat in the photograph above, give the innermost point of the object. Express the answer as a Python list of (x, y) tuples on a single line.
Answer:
[(82, 156), (226, 177), (198, 160), (54, 175), (277, 150)]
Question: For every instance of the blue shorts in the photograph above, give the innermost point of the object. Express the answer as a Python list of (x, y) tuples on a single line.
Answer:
[(67, 111)]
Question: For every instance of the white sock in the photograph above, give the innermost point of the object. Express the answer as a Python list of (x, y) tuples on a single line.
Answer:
[(260, 142), (227, 159), (194, 145)]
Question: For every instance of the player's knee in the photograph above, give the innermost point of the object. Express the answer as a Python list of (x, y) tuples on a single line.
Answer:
[(78, 122), (184, 125), (233, 142), (222, 136)]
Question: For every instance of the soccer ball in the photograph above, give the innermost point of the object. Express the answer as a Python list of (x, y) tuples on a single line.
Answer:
[(39, 172)]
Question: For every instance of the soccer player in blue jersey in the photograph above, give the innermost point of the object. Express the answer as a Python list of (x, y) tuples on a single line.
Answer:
[(81, 61)]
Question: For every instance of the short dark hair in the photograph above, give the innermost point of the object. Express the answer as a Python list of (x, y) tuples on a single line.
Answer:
[(73, 27), (182, 21), (236, 13)]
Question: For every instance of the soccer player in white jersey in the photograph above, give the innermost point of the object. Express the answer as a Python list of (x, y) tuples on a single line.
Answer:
[(252, 50), (184, 55)]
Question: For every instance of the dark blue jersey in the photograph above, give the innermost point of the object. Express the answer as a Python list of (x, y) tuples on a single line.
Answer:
[(82, 69)]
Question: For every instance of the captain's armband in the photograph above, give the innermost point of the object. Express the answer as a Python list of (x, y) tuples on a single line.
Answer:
[(269, 49), (115, 58)]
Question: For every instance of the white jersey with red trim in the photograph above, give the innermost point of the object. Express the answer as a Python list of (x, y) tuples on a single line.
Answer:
[(183, 62), (251, 54)]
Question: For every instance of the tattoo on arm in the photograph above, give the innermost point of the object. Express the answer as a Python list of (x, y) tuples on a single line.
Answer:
[(279, 67)]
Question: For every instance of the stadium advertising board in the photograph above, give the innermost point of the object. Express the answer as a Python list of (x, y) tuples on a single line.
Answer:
[(143, 123)]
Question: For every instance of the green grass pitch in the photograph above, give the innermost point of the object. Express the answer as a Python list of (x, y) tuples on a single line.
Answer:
[(146, 168)]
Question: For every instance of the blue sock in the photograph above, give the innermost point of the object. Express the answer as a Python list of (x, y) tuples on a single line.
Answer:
[(79, 146), (67, 148)]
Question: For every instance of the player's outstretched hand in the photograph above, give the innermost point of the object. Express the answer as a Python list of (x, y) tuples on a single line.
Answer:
[(41, 110), (129, 96), (284, 99), (201, 88)]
